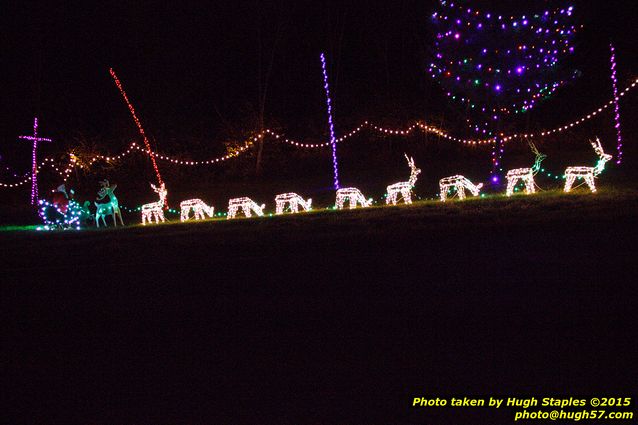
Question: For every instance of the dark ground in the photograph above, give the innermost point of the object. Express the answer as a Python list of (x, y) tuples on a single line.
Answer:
[(332, 318)]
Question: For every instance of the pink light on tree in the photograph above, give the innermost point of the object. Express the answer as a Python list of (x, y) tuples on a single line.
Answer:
[(34, 167)]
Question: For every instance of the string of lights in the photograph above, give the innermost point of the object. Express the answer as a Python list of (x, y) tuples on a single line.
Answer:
[(333, 143), (573, 123), (614, 84), (34, 162), (133, 147), (139, 126)]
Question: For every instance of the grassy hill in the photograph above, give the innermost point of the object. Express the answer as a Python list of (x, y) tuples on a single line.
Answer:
[(323, 317)]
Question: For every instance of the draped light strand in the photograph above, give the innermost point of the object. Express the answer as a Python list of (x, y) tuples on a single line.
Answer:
[(243, 149)]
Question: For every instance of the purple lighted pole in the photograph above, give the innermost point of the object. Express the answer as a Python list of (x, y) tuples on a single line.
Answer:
[(614, 84), (34, 165), (333, 141)]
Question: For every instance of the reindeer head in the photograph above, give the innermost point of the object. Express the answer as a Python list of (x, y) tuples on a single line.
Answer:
[(161, 191), (539, 157), (602, 156), (599, 150), (414, 172)]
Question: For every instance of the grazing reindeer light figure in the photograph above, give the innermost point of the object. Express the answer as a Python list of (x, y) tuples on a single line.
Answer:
[(460, 183), (525, 174), (154, 209), (354, 196), (293, 200), (404, 188), (246, 204), (587, 173), (199, 208), (109, 208)]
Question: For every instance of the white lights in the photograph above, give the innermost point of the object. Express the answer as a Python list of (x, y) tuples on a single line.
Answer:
[(525, 174), (354, 196), (293, 200), (154, 209), (588, 174), (404, 188), (459, 183), (198, 207), (247, 205)]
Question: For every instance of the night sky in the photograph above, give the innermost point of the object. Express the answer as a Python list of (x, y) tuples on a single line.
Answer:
[(194, 70)]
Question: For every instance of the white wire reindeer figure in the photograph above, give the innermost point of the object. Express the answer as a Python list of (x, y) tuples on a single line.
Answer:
[(293, 200), (247, 205), (525, 174), (403, 188), (460, 183), (198, 206), (588, 174), (354, 197), (155, 209)]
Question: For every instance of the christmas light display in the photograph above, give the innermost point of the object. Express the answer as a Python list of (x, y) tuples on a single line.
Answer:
[(525, 174), (458, 183), (499, 66), (34, 162), (155, 209), (614, 83), (133, 147), (588, 174), (198, 207), (353, 196), (247, 205), (333, 142), (403, 188), (112, 207), (57, 217), (149, 152), (293, 201)]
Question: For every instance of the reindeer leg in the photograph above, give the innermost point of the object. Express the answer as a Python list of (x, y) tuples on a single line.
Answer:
[(407, 196), (529, 185), (511, 182), (590, 182), (443, 192), (569, 182), (461, 191)]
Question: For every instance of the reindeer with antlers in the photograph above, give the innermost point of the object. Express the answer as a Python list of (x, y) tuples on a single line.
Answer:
[(404, 188), (155, 209), (525, 174), (587, 173), (109, 208), (460, 183)]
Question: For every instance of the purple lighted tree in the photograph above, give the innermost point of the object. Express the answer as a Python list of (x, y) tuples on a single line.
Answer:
[(497, 66)]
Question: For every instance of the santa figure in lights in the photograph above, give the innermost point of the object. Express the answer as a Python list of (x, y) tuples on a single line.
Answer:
[(61, 199)]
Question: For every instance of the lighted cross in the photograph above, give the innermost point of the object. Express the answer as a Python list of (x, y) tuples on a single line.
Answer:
[(34, 167)]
